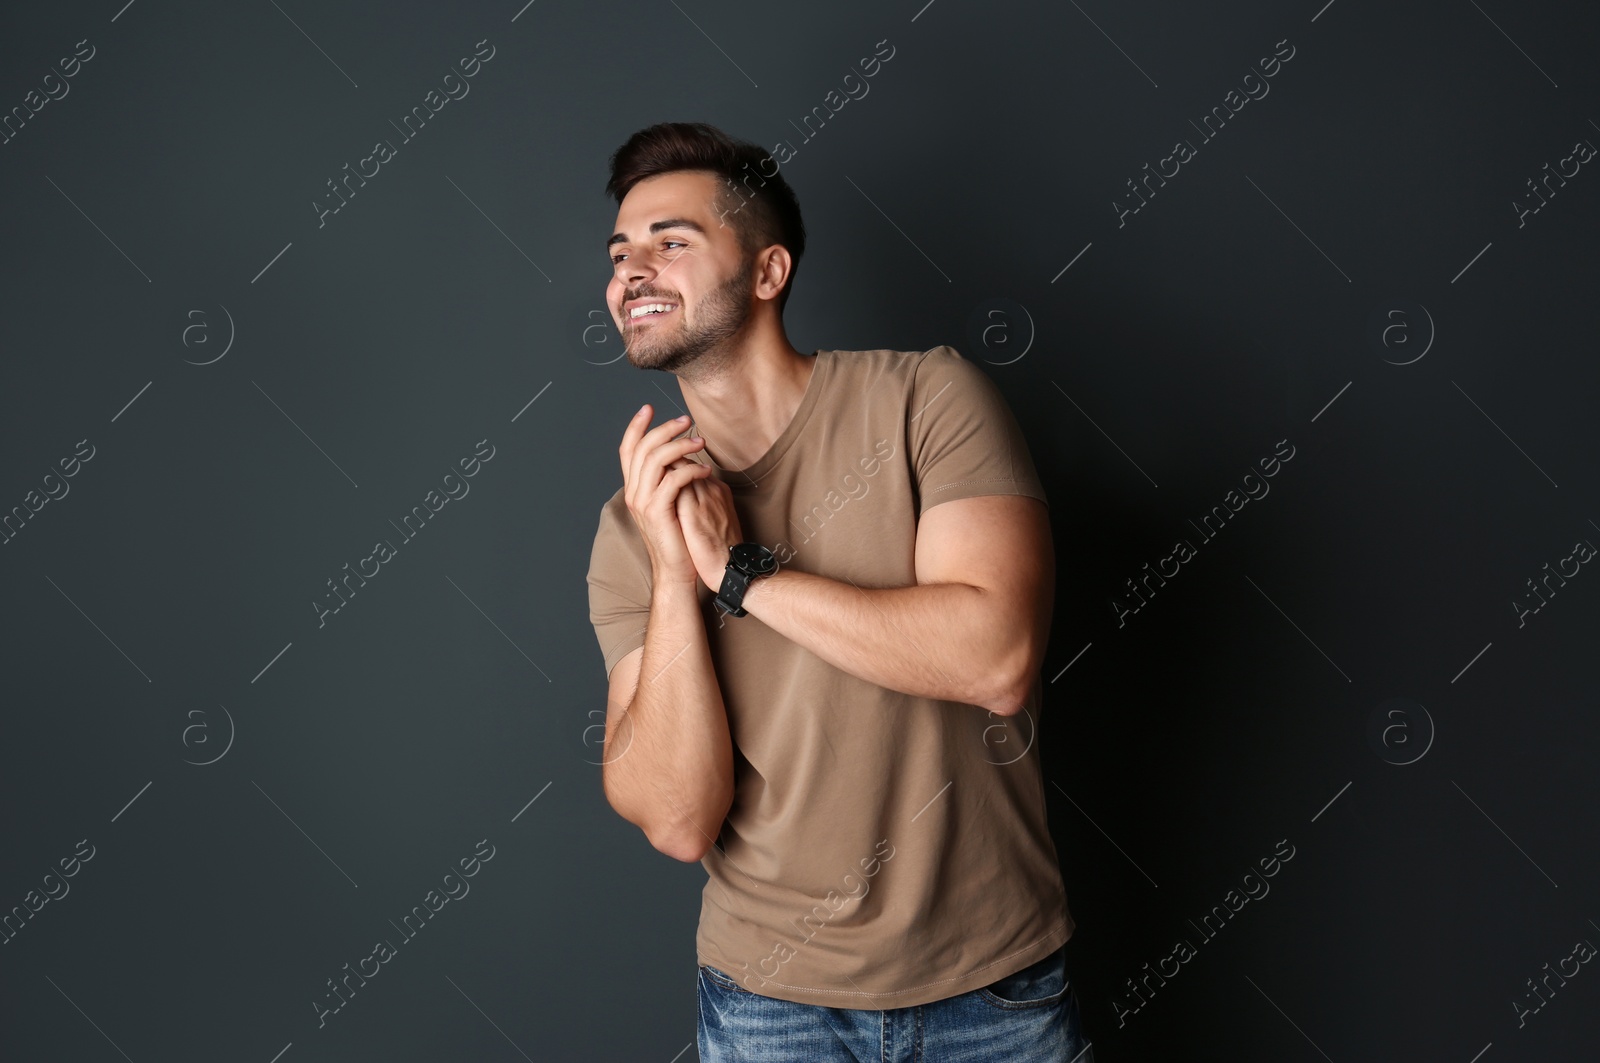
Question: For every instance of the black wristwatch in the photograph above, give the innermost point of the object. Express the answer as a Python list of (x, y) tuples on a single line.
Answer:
[(746, 562)]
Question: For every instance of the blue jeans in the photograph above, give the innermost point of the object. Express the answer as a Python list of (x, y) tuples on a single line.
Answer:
[(1027, 1017)]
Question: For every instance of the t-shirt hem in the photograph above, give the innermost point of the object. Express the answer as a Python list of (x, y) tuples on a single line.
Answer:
[(959, 489), (621, 648), (922, 994)]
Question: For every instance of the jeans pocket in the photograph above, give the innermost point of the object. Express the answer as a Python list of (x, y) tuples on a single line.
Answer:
[(1039, 985), (721, 980)]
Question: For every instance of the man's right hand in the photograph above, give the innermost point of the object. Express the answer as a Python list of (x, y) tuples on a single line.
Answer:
[(654, 470)]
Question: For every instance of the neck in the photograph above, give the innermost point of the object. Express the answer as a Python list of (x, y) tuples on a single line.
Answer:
[(744, 406)]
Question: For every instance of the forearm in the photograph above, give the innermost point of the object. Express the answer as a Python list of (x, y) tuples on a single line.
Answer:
[(669, 760), (950, 641)]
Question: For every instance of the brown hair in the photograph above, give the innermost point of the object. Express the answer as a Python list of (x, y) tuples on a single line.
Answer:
[(773, 216)]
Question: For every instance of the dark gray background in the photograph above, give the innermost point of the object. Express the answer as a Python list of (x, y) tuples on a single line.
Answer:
[(165, 603)]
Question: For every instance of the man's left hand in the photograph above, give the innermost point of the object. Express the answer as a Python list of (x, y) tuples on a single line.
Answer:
[(710, 526)]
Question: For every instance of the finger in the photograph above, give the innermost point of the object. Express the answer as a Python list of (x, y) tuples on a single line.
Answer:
[(651, 462), (630, 436), (637, 441), (690, 491), (636, 429), (672, 484), (639, 434), (688, 499), (649, 440)]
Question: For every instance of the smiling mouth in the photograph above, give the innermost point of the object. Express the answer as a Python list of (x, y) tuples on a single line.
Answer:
[(635, 317)]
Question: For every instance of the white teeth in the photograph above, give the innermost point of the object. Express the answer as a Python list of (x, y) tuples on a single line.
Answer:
[(640, 311)]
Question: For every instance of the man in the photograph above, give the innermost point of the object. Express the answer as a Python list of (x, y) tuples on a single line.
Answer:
[(823, 598)]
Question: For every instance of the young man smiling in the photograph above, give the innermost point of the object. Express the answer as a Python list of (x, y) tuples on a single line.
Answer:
[(843, 738)]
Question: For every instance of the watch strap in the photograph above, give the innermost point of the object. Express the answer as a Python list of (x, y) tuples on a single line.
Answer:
[(741, 570), (730, 596)]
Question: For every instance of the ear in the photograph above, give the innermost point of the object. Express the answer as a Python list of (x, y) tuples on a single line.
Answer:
[(772, 268)]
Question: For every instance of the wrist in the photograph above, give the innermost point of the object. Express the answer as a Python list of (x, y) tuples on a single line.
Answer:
[(719, 562), (674, 588), (749, 564), (713, 579), (758, 593)]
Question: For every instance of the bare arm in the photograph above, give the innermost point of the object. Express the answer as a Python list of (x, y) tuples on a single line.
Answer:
[(974, 627), (668, 765)]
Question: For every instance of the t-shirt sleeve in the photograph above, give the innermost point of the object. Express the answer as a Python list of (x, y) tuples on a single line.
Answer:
[(963, 438), (619, 586)]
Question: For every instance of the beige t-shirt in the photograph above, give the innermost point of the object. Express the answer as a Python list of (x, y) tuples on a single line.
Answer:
[(882, 850)]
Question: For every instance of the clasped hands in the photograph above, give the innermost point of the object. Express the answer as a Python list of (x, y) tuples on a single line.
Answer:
[(684, 513)]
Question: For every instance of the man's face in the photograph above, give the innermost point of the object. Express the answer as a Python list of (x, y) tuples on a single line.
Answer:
[(669, 250)]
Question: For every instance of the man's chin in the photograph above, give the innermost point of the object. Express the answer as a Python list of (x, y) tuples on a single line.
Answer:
[(648, 357)]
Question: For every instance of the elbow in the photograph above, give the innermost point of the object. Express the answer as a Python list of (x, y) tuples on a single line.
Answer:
[(682, 847), (1004, 699), (682, 825), (668, 838), (685, 841), (1008, 667), (689, 838), (1008, 704), (674, 839), (655, 833), (1011, 683)]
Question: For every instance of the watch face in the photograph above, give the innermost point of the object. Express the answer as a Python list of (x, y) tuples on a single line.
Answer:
[(755, 557)]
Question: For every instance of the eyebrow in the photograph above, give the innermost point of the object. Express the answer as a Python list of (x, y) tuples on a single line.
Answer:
[(657, 226)]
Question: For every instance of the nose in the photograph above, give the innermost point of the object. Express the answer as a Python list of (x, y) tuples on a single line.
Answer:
[(632, 270)]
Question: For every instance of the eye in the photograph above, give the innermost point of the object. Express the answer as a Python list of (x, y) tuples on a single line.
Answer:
[(665, 243)]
